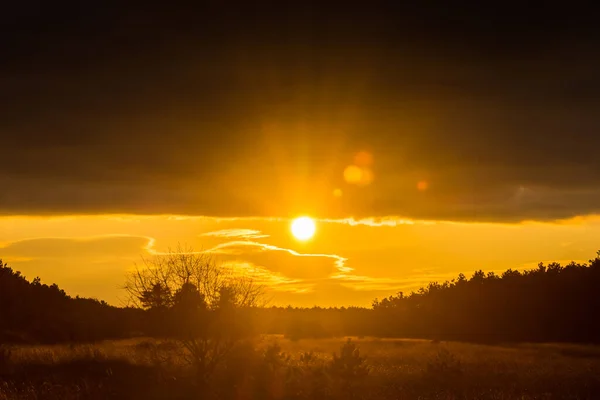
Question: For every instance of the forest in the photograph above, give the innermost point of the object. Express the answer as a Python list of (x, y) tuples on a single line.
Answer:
[(552, 303)]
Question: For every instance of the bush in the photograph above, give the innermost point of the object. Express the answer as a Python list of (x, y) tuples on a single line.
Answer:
[(348, 370), (349, 365)]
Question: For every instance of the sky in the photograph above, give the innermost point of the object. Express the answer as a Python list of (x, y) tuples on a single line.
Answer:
[(425, 141)]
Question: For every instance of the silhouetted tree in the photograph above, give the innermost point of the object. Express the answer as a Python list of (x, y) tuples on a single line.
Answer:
[(188, 299), (549, 303), (182, 265), (157, 297), (34, 312), (209, 311), (189, 312)]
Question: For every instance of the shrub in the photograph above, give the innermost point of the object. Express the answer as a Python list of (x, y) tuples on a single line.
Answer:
[(349, 365), (273, 356)]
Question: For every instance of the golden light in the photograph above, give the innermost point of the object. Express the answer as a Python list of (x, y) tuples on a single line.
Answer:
[(303, 228)]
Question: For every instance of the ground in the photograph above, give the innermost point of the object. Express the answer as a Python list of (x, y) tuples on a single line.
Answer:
[(274, 367)]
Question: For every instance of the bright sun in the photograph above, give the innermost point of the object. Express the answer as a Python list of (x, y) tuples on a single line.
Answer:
[(303, 228)]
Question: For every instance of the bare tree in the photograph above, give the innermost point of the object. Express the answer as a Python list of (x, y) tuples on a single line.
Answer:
[(207, 302), (174, 268)]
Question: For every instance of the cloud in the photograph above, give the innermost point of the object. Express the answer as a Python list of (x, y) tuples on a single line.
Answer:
[(99, 246), (407, 283), (147, 126), (288, 262), (358, 282), (384, 221), (271, 280), (389, 285), (237, 233)]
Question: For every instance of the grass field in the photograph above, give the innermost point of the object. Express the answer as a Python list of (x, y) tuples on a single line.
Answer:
[(391, 369)]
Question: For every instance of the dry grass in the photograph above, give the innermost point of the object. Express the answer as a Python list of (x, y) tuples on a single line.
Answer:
[(397, 369)]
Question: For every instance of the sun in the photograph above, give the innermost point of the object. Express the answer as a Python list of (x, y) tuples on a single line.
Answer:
[(303, 228)]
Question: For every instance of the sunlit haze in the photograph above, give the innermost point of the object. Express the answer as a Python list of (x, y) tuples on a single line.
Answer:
[(348, 261)]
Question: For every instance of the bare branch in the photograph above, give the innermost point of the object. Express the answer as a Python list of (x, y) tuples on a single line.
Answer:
[(182, 265)]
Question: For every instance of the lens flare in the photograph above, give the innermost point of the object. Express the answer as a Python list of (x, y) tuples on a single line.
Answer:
[(356, 175), (353, 174)]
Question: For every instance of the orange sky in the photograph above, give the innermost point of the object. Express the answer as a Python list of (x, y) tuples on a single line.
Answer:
[(347, 262)]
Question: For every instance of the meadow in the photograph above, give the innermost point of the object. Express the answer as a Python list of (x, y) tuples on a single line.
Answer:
[(273, 367)]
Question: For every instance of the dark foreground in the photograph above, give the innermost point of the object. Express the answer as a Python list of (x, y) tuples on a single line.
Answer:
[(274, 368)]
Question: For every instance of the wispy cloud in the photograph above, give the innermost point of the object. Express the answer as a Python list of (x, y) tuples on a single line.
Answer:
[(361, 282), (273, 280), (58, 247), (385, 221), (237, 233), (241, 247), (390, 220)]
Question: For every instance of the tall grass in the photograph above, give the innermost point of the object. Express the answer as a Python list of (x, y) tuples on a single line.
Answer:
[(275, 368)]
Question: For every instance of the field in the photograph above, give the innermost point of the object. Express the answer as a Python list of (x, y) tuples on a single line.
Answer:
[(276, 368)]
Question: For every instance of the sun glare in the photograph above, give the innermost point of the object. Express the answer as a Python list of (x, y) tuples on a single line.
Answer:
[(303, 228)]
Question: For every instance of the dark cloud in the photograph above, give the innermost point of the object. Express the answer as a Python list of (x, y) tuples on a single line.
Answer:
[(256, 110)]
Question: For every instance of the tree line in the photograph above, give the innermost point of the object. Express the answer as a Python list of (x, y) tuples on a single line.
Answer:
[(549, 303), (189, 297), (33, 312)]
